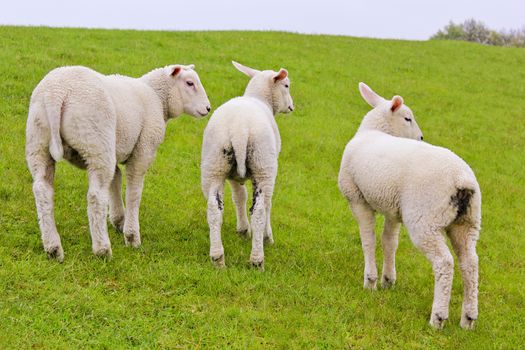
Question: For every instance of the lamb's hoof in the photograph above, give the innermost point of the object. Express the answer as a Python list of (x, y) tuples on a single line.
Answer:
[(438, 320), (387, 282), (257, 263), (244, 233), (467, 322), (370, 283), (103, 252), (132, 240), (55, 253), (268, 240), (117, 223), (218, 261)]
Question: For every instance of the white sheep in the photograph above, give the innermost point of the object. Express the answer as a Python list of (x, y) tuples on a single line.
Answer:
[(429, 189), (96, 122), (242, 142)]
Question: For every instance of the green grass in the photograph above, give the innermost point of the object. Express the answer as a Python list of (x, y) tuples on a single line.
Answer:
[(467, 97)]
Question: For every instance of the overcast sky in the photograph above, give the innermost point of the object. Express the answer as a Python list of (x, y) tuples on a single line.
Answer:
[(404, 19)]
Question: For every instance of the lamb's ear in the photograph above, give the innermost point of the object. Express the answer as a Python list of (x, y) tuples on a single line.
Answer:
[(397, 102), (246, 70), (191, 66), (175, 70), (369, 95), (283, 73)]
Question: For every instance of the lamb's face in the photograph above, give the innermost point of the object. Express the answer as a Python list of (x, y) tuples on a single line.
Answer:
[(280, 85), (390, 116), (187, 90), (403, 123), (273, 86)]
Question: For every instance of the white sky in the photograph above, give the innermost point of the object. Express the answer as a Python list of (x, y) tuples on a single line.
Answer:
[(404, 19)]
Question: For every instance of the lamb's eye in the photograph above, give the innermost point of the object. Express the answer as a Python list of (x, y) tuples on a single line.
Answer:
[(286, 86), (408, 120), (189, 83)]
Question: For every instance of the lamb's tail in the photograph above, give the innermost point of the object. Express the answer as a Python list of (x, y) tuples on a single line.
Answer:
[(240, 146), (463, 198), (53, 108)]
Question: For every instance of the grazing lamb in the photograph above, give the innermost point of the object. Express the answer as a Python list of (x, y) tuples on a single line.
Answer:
[(429, 189), (95, 122), (241, 142)]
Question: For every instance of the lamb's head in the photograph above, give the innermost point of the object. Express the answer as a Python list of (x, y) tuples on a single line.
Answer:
[(186, 93), (270, 86), (390, 116)]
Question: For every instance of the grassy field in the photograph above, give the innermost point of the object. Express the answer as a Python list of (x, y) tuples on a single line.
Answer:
[(467, 97)]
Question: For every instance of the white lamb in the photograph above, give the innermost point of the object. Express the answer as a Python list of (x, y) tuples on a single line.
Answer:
[(429, 189), (96, 122), (242, 142)]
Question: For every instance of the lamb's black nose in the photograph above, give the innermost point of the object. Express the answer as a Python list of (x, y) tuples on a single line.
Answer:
[(208, 108), (421, 138)]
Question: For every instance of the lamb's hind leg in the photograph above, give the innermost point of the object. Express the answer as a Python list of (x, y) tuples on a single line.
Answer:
[(432, 243), (464, 238), (98, 198), (42, 168), (366, 220), (389, 242), (116, 207), (214, 191), (239, 196), (268, 233), (262, 195)]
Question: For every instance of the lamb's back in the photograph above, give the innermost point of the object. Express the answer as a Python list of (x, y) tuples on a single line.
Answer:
[(385, 168)]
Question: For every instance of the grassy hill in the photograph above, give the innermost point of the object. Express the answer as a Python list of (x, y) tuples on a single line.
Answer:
[(467, 97)]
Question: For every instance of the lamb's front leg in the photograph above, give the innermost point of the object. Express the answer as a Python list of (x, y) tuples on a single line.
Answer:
[(97, 199), (389, 242), (134, 186), (116, 207), (239, 196), (366, 220)]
